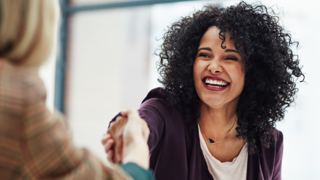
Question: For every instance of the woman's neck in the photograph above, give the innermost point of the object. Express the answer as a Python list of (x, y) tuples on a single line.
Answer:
[(216, 121)]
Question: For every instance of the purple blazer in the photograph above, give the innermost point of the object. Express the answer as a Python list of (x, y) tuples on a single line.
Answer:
[(175, 152)]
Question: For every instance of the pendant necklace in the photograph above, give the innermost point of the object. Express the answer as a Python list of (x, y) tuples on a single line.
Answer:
[(215, 142)]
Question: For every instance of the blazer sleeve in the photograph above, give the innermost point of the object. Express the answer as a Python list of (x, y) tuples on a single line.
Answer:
[(278, 158), (47, 148), (153, 111)]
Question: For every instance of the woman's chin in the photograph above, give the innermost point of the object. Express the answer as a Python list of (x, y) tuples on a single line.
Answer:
[(214, 103)]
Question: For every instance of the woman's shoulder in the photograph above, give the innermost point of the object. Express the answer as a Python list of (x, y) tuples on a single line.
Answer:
[(156, 93), (278, 139), (275, 147), (156, 103), (24, 82), (278, 136), (156, 98)]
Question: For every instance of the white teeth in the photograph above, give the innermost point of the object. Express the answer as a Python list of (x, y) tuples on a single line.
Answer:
[(215, 82), (214, 86)]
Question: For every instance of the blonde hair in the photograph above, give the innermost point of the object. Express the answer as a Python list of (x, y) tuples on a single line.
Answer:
[(27, 29)]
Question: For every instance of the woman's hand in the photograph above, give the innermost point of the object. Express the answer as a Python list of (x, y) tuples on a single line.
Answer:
[(135, 138), (115, 133), (108, 143), (126, 139)]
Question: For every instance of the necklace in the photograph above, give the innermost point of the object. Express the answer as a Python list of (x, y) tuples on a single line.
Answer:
[(215, 142)]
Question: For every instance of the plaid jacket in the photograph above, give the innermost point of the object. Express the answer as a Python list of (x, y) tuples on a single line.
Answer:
[(34, 143)]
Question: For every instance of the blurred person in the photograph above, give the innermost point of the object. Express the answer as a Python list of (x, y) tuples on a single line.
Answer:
[(34, 143), (228, 75)]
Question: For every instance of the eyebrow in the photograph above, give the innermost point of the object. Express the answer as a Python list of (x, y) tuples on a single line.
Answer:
[(209, 49), (205, 48), (231, 50)]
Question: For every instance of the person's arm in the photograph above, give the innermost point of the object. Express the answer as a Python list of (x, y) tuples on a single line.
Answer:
[(47, 148), (278, 159), (137, 172), (151, 112)]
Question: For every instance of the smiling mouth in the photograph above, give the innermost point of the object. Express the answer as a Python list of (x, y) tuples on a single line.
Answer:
[(216, 83)]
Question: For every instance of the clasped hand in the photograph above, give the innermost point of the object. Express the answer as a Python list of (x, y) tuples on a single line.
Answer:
[(126, 140)]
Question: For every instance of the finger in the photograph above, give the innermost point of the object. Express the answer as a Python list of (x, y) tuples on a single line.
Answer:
[(119, 154), (114, 122), (117, 135), (118, 118), (110, 127), (110, 156), (115, 125), (118, 149), (108, 145), (105, 138), (121, 121)]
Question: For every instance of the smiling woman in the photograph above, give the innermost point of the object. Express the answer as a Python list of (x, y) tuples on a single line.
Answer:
[(228, 75)]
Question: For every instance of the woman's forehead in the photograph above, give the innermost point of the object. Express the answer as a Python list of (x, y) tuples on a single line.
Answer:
[(212, 38)]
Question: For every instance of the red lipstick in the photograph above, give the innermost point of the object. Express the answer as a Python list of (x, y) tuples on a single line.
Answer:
[(215, 83)]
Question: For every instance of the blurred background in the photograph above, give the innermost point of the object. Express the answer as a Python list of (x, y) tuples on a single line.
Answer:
[(105, 62)]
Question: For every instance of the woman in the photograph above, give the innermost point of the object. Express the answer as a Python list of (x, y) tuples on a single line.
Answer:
[(34, 143), (228, 76)]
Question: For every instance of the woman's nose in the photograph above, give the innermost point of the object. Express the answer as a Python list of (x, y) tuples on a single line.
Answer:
[(215, 67)]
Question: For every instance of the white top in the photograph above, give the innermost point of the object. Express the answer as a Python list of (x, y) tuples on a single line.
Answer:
[(237, 169)]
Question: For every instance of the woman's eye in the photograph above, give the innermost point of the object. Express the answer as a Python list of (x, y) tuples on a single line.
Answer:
[(232, 58), (204, 55)]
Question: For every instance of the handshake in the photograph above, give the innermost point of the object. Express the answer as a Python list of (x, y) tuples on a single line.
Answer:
[(126, 140)]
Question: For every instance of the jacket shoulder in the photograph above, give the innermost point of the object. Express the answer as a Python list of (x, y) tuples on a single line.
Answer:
[(278, 136), (156, 93), (21, 80)]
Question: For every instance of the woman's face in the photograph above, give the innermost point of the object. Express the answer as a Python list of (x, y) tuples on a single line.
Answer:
[(218, 73)]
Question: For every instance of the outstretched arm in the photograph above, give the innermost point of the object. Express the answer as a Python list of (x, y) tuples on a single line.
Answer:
[(47, 148)]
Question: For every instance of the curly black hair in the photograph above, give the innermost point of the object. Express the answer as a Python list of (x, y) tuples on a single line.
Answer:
[(271, 68)]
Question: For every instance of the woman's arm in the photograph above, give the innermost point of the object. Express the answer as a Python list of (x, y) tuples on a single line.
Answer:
[(46, 144), (155, 122)]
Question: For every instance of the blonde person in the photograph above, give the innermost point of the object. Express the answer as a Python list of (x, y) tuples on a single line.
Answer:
[(34, 143)]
